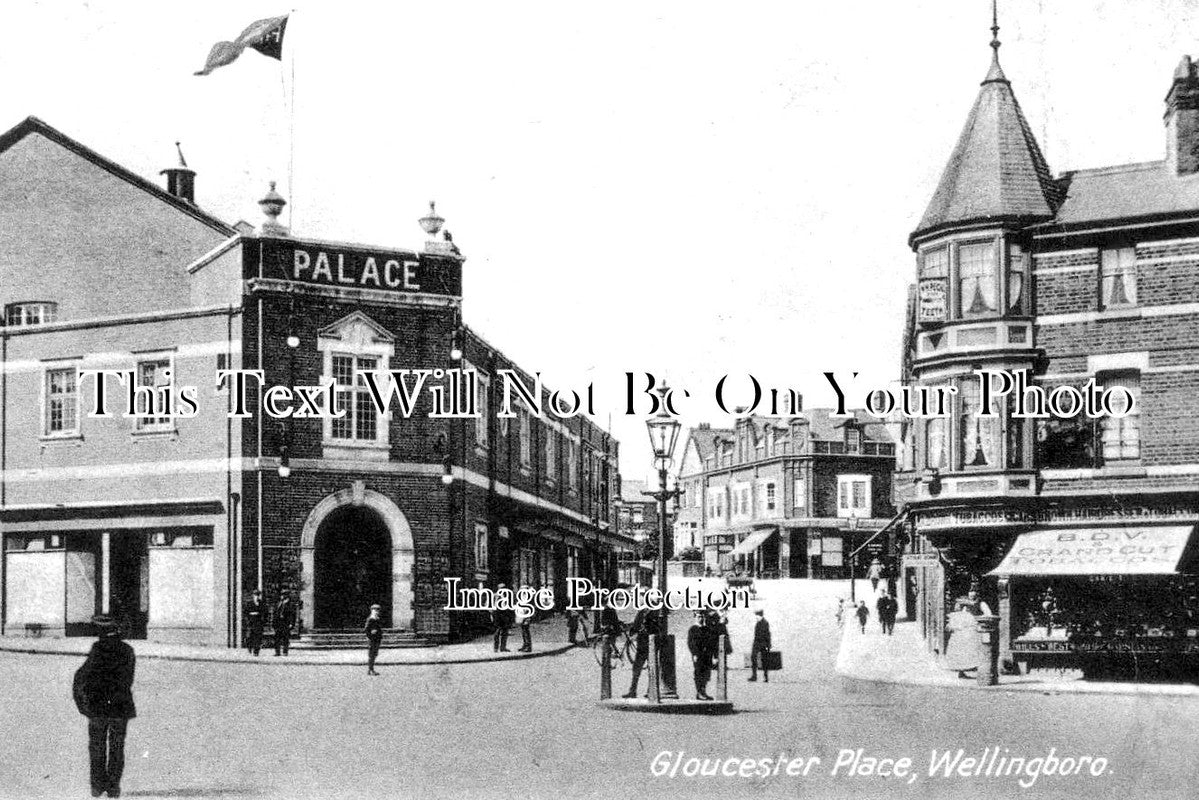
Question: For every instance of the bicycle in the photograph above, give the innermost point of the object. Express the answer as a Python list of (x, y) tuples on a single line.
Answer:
[(624, 647)]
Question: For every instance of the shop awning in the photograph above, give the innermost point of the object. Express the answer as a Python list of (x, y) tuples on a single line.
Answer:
[(752, 542), (1096, 551)]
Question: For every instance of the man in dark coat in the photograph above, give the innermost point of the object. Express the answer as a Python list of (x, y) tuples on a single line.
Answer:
[(888, 610), (703, 645), (255, 621), (374, 638), (103, 692), (645, 623), (500, 623), (285, 619), (760, 648)]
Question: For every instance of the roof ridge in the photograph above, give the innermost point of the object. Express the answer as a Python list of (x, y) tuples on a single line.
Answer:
[(32, 124)]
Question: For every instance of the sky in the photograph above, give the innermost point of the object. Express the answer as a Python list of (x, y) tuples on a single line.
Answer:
[(689, 189)]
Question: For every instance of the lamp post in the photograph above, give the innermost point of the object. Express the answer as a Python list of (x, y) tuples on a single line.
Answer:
[(663, 431)]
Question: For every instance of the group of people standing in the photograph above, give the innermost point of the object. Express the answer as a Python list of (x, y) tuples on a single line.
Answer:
[(283, 619), (502, 621)]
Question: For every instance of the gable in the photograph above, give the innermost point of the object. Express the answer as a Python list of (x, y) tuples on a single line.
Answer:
[(68, 221)]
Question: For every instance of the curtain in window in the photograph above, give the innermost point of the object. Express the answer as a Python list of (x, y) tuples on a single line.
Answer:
[(976, 279), (1122, 435), (979, 436)]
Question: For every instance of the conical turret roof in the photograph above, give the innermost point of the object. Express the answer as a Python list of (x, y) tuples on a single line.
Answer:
[(996, 171)]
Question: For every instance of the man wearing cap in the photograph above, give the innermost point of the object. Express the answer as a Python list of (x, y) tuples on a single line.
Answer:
[(103, 692), (760, 648), (255, 621), (374, 638)]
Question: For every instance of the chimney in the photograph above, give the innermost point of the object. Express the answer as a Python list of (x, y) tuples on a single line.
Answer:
[(705, 426), (1182, 120), (181, 181)]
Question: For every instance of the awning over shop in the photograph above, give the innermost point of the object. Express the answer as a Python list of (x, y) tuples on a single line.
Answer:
[(1096, 551), (751, 542)]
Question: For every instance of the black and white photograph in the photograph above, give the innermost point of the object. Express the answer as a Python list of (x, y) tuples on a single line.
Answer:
[(642, 400)]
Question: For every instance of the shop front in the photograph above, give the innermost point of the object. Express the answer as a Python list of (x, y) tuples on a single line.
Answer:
[(1119, 602)]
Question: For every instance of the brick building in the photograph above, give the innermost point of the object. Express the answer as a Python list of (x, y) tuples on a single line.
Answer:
[(788, 497), (1075, 531), (169, 522)]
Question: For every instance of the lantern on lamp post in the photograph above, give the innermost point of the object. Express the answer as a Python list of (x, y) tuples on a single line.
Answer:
[(663, 431)]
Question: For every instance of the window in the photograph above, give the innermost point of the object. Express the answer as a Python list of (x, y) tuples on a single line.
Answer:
[(354, 345), (526, 432), (936, 443), (20, 314), (936, 264), (979, 445), (1122, 435), (638, 516), (153, 377), (770, 497), (572, 465), (551, 454), (61, 403), (484, 419), (853, 496), (976, 280), (801, 495), (1017, 281), (1119, 277), (361, 421), (481, 547)]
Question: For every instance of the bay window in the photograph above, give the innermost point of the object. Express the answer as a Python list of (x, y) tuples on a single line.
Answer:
[(977, 280)]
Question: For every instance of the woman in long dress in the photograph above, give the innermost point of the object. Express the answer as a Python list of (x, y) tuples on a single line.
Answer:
[(962, 648)]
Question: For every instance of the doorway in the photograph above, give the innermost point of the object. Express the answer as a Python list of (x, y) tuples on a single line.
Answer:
[(351, 569)]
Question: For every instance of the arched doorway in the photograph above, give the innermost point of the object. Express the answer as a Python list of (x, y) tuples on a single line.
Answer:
[(378, 510), (352, 568)]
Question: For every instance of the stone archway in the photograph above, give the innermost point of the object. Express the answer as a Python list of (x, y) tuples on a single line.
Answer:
[(402, 553)]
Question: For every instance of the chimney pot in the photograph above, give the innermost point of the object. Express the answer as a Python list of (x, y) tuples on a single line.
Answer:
[(181, 181), (1182, 119)]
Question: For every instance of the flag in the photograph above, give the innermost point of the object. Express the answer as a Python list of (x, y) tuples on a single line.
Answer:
[(265, 36)]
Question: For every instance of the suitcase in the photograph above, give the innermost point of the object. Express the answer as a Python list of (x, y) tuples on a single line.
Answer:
[(773, 660)]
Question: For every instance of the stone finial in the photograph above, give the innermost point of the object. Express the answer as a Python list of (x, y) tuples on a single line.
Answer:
[(272, 206)]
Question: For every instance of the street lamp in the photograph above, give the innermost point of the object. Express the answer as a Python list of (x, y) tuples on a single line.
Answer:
[(663, 431)]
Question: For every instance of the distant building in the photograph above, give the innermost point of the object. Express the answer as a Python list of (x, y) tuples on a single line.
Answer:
[(788, 497)]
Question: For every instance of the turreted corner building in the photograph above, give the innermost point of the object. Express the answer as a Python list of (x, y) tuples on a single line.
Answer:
[(1077, 532)]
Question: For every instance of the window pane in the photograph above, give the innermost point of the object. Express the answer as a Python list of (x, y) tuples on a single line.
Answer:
[(364, 418), (976, 279), (342, 427), (936, 263), (343, 370), (1119, 283), (1121, 436), (979, 444)]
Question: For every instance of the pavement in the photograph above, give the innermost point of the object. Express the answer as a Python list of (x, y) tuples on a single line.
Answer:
[(902, 658), (549, 638), (531, 729)]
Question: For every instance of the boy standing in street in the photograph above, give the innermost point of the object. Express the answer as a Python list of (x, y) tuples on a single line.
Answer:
[(103, 692), (374, 638)]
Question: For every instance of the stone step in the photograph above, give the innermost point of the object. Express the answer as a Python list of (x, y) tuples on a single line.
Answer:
[(353, 639)]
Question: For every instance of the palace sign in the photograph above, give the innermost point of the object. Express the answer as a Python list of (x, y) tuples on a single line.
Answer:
[(350, 267)]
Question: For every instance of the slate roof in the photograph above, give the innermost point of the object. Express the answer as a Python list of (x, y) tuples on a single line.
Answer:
[(1128, 190), (704, 439), (996, 171)]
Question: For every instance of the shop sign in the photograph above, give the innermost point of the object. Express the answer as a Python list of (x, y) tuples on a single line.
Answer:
[(1105, 551), (933, 300), (1110, 646), (1012, 517), (917, 560)]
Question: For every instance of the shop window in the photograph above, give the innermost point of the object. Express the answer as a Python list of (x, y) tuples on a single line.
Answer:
[(17, 315), (61, 402), (1118, 284), (853, 496), (977, 280), (156, 376), (1121, 436)]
